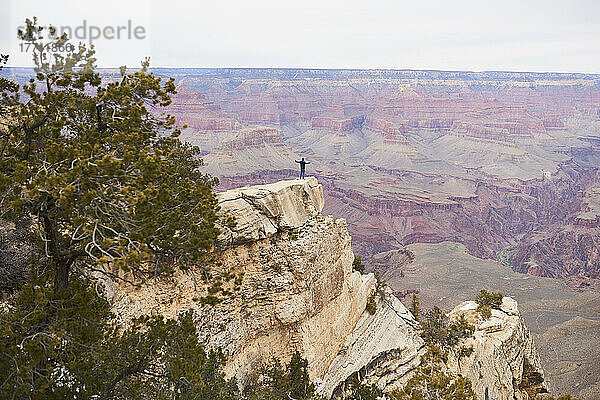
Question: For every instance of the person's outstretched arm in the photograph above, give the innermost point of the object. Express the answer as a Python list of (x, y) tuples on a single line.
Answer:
[(308, 162), (297, 161)]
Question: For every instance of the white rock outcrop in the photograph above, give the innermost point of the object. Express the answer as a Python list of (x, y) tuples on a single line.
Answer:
[(298, 290), (505, 364), (262, 211)]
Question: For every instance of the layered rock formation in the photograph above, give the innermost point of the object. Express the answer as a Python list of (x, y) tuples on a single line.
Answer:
[(296, 290), (195, 110), (262, 211), (253, 149), (565, 323), (383, 349), (338, 125)]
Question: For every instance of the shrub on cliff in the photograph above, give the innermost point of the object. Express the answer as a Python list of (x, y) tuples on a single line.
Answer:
[(486, 301), (414, 306), (274, 381), (371, 306), (357, 264), (106, 180), (360, 391), (438, 330), (65, 345), (379, 290), (432, 381)]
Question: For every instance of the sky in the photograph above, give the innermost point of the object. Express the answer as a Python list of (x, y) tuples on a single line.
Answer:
[(525, 35)]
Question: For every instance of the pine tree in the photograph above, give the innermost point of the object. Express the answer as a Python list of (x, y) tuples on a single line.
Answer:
[(275, 381), (91, 164), (361, 391), (414, 306), (94, 171), (66, 345), (486, 301)]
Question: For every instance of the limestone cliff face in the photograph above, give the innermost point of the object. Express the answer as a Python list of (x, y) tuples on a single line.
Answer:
[(296, 291), (505, 363)]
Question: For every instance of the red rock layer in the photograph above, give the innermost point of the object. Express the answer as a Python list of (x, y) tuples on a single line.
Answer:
[(196, 111), (337, 125), (393, 133), (252, 138), (561, 253)]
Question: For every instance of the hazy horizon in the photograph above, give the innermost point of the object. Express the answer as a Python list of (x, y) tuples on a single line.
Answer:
[(152, 67), (509, 36)]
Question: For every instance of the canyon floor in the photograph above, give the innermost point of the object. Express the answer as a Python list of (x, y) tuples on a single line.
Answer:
[(565, 323)]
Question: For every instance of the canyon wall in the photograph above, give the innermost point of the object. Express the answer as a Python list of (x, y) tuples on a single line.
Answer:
[(485, 159), (567, 249)]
